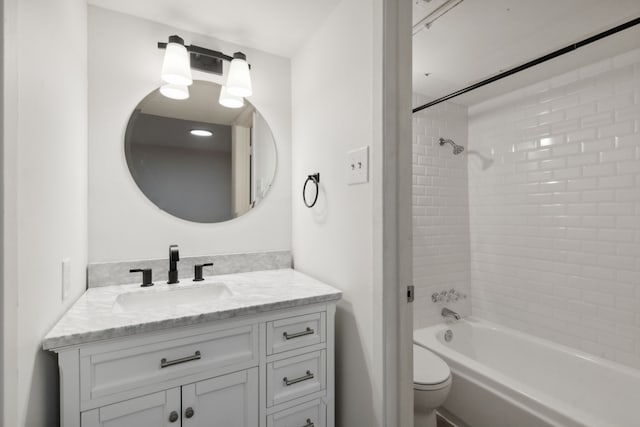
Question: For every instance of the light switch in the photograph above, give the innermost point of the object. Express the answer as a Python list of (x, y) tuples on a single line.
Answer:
[(66, 277), (358, 166)]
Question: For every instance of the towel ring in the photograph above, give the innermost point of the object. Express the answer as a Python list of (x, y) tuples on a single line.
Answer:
[(315, 179)]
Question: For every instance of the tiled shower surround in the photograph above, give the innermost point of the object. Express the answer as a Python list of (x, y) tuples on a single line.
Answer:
[(555, 218), (554, 210), (440, 210)]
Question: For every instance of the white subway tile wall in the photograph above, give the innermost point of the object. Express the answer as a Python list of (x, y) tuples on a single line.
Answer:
[(440, 211), (554, 200)]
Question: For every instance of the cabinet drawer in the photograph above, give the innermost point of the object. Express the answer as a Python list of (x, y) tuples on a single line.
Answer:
[(310, 414), (295, 332), (295, 377), (120, 371)]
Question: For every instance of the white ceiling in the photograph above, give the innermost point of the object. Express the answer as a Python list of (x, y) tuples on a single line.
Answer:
[(275, 26), (475, 40), (480, 38)]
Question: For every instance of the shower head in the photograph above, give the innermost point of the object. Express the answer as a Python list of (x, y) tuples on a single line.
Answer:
[(457, 149)]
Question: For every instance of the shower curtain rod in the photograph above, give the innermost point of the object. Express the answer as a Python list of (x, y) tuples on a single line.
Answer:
[(530, 64)]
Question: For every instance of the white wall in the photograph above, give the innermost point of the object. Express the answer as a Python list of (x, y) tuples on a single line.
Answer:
[(555, 219), (124, 66), (9, 214), (334, 86), (441, 259), (2, 213), (45, 176)]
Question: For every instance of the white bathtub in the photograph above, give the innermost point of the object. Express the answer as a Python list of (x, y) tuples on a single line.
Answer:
[(505, 378)]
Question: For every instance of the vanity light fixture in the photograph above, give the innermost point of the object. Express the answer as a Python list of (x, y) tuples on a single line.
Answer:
[(179, 59), (239, 78), (175, 67), (201, 132), (228, 100)]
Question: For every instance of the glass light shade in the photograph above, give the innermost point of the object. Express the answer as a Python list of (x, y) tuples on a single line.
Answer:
[(175, 91), (239, 79), (176, 67), (201, 132), (228, 100)]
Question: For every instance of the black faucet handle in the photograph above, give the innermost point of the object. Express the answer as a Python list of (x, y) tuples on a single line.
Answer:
[(146, 276), (174, 257), (197, 271), (174, 253)]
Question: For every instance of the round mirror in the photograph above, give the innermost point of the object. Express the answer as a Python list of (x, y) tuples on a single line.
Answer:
[(198, 160)]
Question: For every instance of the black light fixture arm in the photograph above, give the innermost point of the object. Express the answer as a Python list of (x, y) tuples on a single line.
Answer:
[(199, 50), (202, 58), (208, 52)]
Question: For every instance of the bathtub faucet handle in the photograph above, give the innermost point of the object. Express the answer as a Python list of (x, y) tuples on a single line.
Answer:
[(447, 296), (439, 296)]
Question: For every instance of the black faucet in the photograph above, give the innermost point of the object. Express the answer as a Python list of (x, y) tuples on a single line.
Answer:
[(197, 271), (174, 257), (146, 276)]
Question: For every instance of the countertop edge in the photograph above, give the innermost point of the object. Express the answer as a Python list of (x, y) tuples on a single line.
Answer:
[(58, 343)]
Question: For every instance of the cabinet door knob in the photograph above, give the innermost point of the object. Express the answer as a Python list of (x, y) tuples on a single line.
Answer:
[(189, 412), (173, 417)]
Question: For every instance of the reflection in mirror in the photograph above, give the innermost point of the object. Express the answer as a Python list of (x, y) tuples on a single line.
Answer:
[(198, 160)]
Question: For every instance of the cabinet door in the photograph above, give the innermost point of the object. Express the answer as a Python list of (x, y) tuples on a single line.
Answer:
[(152, 410), (226, 401)]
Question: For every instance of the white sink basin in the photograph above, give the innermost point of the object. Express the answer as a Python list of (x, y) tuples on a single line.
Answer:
[(154, 299)]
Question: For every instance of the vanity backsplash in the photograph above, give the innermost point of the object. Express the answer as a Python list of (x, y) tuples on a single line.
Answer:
[(117, 273)]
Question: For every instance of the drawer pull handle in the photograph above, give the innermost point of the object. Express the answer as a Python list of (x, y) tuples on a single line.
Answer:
[(288, 382), (309, 423), (307, 331), (164, 362)]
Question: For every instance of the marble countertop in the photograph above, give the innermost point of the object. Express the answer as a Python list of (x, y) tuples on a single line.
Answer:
[(93, 317)]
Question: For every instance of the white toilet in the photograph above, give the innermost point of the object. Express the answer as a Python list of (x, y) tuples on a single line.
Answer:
[(431, 385)]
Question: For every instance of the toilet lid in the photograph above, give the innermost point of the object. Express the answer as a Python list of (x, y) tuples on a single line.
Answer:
[(428, 368)]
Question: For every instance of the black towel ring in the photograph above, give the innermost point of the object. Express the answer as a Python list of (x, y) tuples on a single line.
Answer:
[(315, 178)]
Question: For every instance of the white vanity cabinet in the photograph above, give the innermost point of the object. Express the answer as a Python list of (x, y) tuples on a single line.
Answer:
[(272, 369), (226, 401)]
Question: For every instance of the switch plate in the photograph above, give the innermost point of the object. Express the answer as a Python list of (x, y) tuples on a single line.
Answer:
[(358, 166), (66, 277)]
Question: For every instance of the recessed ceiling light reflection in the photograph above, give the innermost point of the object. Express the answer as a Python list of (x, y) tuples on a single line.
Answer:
[(201, 132)]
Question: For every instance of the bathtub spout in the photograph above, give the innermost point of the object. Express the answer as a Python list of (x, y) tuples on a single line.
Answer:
[(450, 314)]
